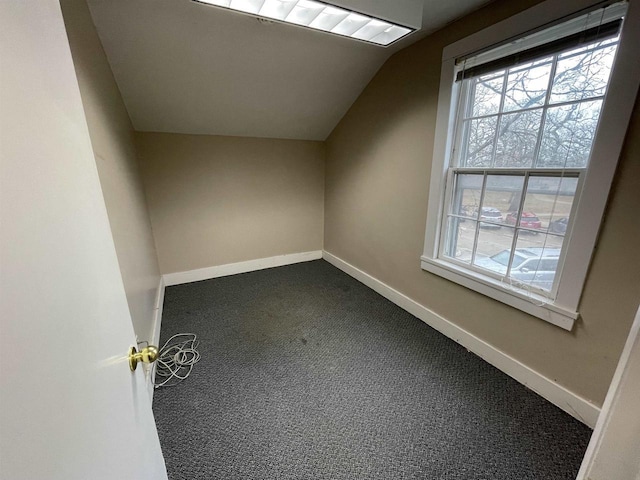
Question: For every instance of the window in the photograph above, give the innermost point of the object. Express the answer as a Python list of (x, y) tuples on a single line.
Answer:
[(519, 124), (525, 137)]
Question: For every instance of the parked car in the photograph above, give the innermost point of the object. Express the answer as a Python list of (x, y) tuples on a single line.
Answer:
[(559, 226), (527, 220), (490, 214), (533, 266)]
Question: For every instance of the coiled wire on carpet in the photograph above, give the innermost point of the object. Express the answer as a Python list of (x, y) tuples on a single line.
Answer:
[(176, 360)]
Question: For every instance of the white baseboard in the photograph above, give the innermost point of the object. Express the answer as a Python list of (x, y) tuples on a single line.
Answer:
[(155, 331), (240, 267), (563, 398)]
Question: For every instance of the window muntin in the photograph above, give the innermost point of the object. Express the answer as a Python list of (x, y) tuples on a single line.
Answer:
[(522, 142)]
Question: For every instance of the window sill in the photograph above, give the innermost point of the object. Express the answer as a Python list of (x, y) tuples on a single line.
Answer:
[(524, 301)]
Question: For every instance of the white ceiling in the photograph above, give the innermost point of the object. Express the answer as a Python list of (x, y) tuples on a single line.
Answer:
[(185, 67)]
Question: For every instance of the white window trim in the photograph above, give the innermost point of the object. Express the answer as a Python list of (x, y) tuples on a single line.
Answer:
[(607, 146)]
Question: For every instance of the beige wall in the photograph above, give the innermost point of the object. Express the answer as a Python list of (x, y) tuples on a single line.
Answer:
[(113, 146), (217, 200), (377, 177)]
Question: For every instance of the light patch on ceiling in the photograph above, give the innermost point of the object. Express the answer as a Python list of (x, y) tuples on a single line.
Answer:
[(320, 16)]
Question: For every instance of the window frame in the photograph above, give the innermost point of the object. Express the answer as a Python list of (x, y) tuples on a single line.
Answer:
[(592, 194)]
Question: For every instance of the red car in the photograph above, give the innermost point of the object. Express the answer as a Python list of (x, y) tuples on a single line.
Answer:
[(527, 220)]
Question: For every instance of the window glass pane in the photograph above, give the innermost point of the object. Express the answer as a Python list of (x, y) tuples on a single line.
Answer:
[(527, 85), (582, 76), (559, 224), (480, 134), (517, 139), (568, 135), (527, 220), (487, 95), (494, 246), (549, 200), (459, 240), (490, 217), (537, 251), (466, 198), (502, 195)]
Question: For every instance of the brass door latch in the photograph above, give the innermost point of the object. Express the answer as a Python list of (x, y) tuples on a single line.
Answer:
[(148, 354)]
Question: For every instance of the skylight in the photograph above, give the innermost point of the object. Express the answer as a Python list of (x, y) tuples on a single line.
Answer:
[(320, 16)]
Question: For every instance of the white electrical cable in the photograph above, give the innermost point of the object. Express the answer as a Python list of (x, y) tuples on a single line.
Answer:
[(175, 361)]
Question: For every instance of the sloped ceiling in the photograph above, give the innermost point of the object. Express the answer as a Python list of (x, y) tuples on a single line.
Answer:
[(185, 67)]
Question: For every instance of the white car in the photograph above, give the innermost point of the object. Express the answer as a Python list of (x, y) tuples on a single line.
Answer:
[(490, 217), (532, 266)]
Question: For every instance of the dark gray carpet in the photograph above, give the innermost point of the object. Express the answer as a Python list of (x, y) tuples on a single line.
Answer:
[(308, 374)]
